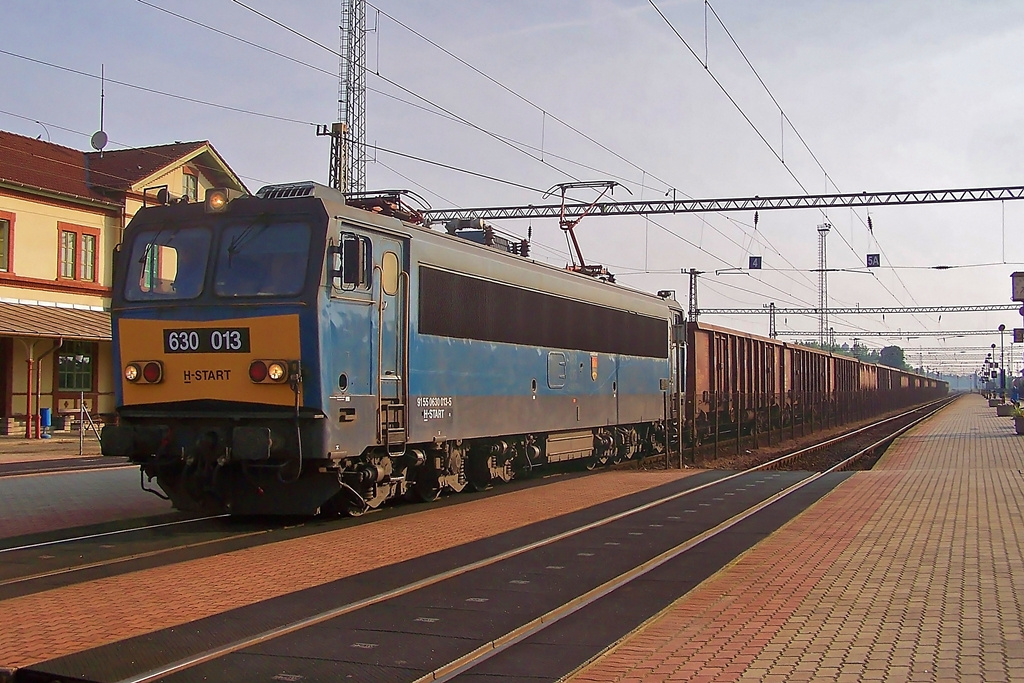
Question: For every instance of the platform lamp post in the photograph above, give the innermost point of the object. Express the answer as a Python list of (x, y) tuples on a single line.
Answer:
[(995, 373), (988, 373), (1017, 294), (1002, 365)]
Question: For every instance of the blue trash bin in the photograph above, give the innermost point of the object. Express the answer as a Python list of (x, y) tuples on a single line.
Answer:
[(44, 422)]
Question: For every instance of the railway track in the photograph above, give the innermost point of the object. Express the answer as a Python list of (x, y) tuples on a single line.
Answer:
[(531, 603), (48, 560), (58, 465)]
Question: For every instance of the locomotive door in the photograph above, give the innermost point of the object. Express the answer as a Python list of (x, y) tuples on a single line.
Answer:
[(392, 296)]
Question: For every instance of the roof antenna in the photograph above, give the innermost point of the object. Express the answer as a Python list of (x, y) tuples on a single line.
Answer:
[(99, 138)]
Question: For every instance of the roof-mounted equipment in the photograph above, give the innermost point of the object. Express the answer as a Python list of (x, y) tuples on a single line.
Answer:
[(475, 230), (389, 203), (568, 225)]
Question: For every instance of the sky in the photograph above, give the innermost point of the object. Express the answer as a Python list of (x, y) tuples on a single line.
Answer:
[(733, 98)]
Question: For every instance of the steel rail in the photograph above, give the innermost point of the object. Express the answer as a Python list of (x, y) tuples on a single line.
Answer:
[(64, 470), (127, 558), (86, 537), (326, 615), (794, 455)]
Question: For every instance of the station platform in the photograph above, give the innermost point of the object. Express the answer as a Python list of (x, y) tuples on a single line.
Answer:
[(913, 571)]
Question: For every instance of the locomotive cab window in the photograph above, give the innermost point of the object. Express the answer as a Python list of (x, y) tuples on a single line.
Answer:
[(167, 264), (353, 263), (262, 259)]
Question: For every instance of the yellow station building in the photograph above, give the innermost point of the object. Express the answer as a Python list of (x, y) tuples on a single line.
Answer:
[(62, 212)]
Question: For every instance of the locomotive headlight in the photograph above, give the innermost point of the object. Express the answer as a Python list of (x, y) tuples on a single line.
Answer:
[(276, 372), (218, 198), (132, 372)]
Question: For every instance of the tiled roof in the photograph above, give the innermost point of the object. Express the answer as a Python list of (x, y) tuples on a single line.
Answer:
[(120, 169), (38, 320), (44, 165)]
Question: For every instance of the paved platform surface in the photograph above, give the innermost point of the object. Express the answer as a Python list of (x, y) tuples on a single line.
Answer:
[(913, 571), (16, 448)]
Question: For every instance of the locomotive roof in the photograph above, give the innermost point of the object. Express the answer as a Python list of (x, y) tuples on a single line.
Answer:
[(334, 202)]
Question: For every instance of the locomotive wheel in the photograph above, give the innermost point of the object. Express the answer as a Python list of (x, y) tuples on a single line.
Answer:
[(478, 471), (426, 489), (354, 510)]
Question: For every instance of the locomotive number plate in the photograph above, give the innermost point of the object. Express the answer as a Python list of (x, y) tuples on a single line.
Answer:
[(207, 340)]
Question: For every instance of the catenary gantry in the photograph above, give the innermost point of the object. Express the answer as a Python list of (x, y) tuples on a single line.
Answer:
[(573, 208)]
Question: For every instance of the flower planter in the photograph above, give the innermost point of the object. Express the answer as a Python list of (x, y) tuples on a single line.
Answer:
[(1004, 409), (1018, 424), (993, 402)]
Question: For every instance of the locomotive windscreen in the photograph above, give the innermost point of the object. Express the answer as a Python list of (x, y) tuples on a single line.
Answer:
[(453, 305)]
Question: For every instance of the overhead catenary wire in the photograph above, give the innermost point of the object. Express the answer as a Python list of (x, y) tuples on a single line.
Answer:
[(698, 247), (443, 112), (800, 137), (458, 118), (754, 127)]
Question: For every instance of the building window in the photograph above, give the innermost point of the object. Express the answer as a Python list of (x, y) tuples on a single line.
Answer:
[(190, 186), (5, 244), (75, 366), (77, 253), (68, 252), (89, 258)]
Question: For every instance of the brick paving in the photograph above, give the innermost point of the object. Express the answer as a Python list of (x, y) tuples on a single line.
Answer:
[(913, 571), (62, 621), (16, 448)]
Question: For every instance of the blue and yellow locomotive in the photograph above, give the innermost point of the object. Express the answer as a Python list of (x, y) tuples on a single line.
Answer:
[(289, 353)]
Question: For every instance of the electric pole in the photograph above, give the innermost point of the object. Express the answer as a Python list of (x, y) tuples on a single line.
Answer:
[(822, 284), (348, 136)]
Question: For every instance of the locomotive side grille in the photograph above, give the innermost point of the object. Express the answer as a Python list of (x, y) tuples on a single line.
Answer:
[(453, 305)]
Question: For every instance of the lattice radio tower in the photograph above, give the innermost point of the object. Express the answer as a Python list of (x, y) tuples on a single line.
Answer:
[(822, 285), (348, 136)]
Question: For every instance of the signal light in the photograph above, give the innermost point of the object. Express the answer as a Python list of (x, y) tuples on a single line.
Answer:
[(153, 372), (257, 371), (268, 371)]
